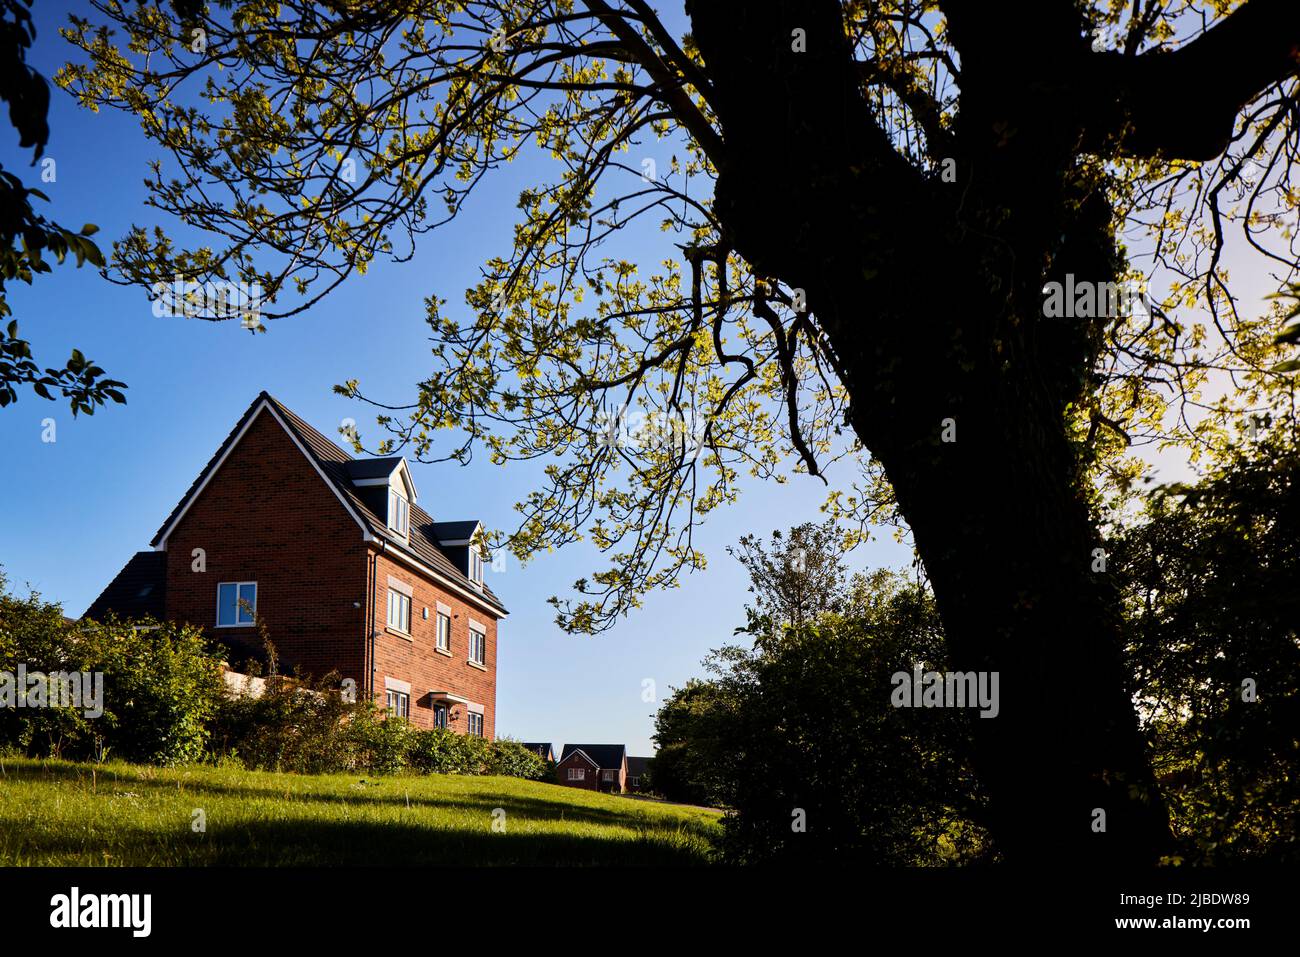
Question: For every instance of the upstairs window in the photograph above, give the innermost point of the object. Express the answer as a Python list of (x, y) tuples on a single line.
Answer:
[(444, 632), (399, 611), (236, 603), (399, 513), (477, 647)]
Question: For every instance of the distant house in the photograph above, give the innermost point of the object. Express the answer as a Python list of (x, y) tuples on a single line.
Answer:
[(544, 751), (596, 767), (636, 773)]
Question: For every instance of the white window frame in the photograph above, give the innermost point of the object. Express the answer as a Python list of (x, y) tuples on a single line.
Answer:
[(399, 518), (443, 618), (403, 601), (634, 782), (577, 774), (403, 701), (609, 775), (238, 611), (473, 722), (478, 641), (475, 565)]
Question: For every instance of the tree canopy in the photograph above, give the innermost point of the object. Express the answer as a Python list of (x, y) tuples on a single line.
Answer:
[(864, 207), (27, 237)]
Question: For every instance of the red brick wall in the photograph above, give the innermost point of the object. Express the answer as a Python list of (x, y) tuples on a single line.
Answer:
[(416, 659), (590, 783), (267, 516)]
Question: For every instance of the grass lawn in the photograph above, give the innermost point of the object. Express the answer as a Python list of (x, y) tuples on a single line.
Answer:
[(61, 813)]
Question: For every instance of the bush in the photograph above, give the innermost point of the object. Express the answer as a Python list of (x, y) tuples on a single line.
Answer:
[(293, 726), (165, 702), (309, 728), (444, 752), (160, 687)]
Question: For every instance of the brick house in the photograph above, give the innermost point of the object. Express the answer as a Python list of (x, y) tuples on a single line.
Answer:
[(637, 769), (596, 767), (347, 572), (542, 749)]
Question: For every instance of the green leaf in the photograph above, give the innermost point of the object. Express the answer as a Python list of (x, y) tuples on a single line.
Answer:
[(89, 229), (1289, 336), (1291, 365)]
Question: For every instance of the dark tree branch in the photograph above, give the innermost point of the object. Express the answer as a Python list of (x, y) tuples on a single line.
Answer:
[(1184, 104)]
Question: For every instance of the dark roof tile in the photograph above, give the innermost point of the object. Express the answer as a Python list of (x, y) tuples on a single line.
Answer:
[(138, 591), (605, 755)]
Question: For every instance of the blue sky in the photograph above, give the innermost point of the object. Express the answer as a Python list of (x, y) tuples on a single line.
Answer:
[(80, 506)]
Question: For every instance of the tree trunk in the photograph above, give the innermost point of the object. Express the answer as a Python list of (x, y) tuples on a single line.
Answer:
[(931, 297)]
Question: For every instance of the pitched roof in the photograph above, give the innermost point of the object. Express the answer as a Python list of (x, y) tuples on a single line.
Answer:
[(455, 531), (138, 591), (604, 755), (373, 468), (579, 753), (337, 467), (539, 748), (636, 766)]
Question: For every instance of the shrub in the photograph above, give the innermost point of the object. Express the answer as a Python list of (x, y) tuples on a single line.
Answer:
[(161, 686), (439, 751), (512, 758), (294, 725)]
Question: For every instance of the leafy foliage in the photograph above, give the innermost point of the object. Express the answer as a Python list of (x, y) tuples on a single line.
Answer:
[(800, 577), (310, 726), (27, 238), (331, 137), (803, 725), (161, 687), (1210, 578)]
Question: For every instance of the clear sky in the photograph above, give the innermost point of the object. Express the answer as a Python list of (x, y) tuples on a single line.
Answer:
[(79, 507)]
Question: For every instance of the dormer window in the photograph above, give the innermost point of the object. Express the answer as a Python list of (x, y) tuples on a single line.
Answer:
[(475, 566), (399, 513)]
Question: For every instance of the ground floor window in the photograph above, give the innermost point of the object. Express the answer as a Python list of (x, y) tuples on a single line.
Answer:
[(399, 704), (476, 724), (577, 774), (634, 782), (440, 716)]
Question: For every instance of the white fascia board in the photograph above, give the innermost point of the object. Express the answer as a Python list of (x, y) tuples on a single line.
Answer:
[(401, 555)]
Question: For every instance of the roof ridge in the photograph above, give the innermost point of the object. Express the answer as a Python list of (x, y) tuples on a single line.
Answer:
[(331, 461)]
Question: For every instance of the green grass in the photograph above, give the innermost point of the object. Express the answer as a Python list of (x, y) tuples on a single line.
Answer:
[(58, 813)]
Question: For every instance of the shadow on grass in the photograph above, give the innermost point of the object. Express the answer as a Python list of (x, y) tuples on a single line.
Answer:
[(348, 844), (531, 807), (663, 840)]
